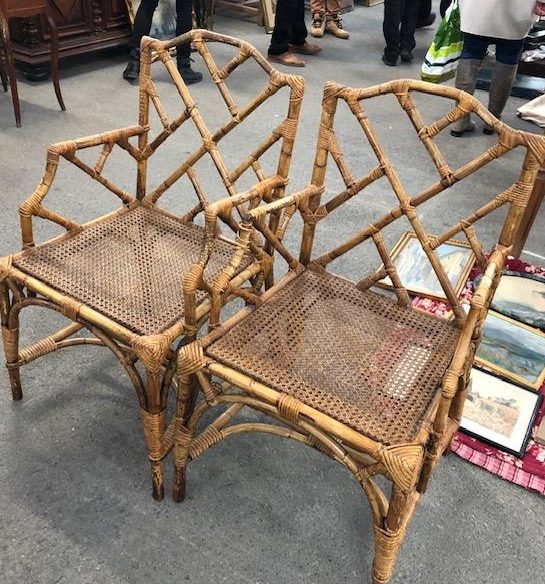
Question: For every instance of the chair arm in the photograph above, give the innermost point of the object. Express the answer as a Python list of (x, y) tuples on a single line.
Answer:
[(67, 149), (299, 200), (486, 288), (194, 278)]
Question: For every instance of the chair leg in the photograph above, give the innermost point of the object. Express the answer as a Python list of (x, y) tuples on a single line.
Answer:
[(13, 81), (10, 336), (154, 425), (3, 72), (185, 403), (388, 538), (55, 61)]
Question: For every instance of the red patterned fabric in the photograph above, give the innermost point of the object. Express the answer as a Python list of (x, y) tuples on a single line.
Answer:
[(529, 471)]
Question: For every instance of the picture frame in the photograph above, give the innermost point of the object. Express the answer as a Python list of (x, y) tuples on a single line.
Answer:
[(499, 413), (512, 349), (520, 296), (416, 272)]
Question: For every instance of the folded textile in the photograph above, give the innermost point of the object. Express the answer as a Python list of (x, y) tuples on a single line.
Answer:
[(534, 111)]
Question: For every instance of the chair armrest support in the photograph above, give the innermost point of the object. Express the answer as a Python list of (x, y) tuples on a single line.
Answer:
[(67, 149)]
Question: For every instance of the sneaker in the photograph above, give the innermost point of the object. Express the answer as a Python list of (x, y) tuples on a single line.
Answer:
[(335, 27), (188, 74), (318, 25), (132, 71)]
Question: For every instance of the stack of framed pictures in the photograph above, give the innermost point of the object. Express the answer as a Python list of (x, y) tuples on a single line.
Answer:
[(503, 399)]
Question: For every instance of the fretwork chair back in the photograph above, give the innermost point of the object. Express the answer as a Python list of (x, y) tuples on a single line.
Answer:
[(125, 276), (367, 379)]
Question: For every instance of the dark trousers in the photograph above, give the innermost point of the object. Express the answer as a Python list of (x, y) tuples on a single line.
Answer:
[(144, 17), (289, 26), (399, 24), (507, 51), (424, 11)]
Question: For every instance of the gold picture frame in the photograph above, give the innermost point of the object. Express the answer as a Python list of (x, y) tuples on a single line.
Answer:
[(416, 272)]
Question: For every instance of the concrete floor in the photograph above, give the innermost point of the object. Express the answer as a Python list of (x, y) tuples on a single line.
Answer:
[(75, 505)]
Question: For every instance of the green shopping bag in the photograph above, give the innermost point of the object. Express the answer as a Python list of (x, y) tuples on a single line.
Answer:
[(442, 57)]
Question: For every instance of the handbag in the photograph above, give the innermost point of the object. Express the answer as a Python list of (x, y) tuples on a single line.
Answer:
[(445, 50)]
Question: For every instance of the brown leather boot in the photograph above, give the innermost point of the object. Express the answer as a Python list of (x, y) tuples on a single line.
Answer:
[(334, 26)]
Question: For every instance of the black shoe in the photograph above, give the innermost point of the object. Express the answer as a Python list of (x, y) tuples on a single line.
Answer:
[(389, 60), (406, 56), (188, 74), (132, 71), (428, 22)]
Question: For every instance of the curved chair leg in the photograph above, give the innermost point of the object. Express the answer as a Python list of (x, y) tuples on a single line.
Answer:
[(388, 538), (10, 336), (12, 78), (55, 61)]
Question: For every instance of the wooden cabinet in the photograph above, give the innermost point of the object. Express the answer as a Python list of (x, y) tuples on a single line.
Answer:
[(84, 26)]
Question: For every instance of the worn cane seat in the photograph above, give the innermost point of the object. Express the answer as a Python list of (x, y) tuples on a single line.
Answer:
[(355, 356), (129, 267)]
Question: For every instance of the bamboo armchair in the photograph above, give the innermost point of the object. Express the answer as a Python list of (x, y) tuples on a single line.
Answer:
[(369, 381), (129, 277)]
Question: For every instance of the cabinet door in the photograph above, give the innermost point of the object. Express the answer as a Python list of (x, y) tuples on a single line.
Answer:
[(72, 16)]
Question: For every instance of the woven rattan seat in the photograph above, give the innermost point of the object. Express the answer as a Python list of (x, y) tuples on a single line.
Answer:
[(128, 267), (355, 356)]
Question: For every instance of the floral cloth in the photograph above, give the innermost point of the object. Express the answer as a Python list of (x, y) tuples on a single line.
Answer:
[(529, 471)]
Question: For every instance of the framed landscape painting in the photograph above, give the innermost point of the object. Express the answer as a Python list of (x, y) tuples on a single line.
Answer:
[(416, 272), (520, 296), (512, 349), (499, 412)]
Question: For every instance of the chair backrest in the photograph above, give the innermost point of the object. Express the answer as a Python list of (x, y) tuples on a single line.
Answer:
[(284, 128), (406, 206)]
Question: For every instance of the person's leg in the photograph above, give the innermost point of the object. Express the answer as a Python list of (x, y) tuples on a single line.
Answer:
[(184, 24), (333, 22), (473, 53), (504, 73), (283, 22), (408, 26), (443, 7), (289, 34), (390, 29), (317, 10), (425, 16), (141, 27)]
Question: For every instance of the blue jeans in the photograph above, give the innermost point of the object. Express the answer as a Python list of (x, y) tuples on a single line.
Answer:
[(507, 51)]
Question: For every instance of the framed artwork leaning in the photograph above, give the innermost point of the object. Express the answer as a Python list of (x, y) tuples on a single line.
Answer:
[(416, 271), (520, 296), (512, 349), (499, 412)]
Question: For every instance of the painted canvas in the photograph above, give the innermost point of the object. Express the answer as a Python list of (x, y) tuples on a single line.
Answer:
[(164, 19), (416, 272), (499, 412), (513, 350), (522, 297)]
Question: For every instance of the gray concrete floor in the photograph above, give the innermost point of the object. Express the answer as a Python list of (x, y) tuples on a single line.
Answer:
[(75, 505)]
